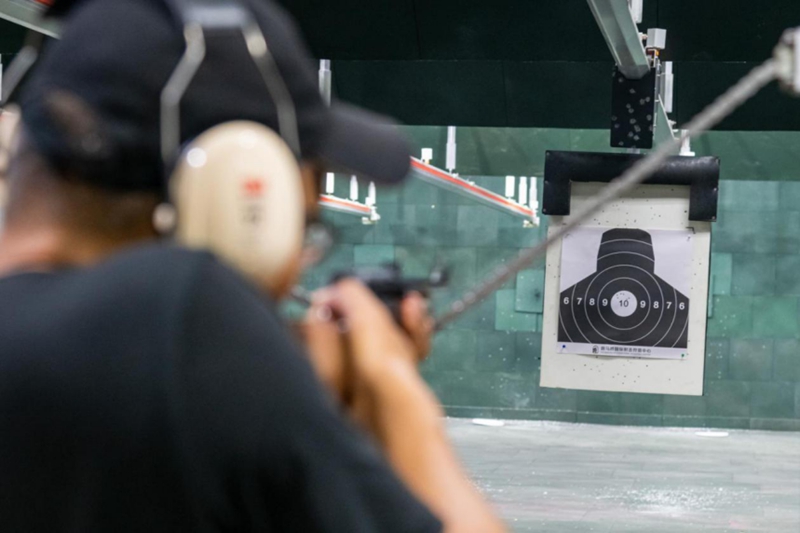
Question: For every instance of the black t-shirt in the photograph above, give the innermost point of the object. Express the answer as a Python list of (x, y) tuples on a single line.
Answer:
[(159, 392)]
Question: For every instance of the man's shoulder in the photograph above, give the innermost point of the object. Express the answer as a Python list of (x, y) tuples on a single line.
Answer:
[(162, 271), (164, 260), (150, 287), (147, 267)]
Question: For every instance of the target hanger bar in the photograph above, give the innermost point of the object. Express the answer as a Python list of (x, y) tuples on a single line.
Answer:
[(453, 183), (368, 214), (737, 95), (663, 128), (344, 206)]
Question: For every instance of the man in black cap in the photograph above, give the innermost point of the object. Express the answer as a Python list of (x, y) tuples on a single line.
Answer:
[(148, 388)]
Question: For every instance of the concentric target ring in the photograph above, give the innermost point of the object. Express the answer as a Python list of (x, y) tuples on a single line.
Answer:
[(642, 321), (676, 301), (674, 316), (561, 317), (591, 323), (656, 320), (685, 325)]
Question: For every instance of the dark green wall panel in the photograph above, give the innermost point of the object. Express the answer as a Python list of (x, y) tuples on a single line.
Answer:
[(558, 94), (700, 83), (516, 30), (733, 30), (426, 92), (11, 38), (358, 29)]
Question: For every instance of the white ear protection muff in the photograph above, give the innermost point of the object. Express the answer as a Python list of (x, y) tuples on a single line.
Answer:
[(237, 191)]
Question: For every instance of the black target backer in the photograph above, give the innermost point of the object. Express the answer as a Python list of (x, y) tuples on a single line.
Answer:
[(623, 293)]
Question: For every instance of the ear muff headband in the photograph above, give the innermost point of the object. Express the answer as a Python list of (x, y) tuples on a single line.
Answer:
[(197, 16), (237, 188)]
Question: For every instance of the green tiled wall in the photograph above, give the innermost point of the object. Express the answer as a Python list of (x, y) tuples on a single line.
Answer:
[(487, 364)]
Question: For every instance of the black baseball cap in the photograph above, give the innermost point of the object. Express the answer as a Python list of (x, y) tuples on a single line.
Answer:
[(117, 55)]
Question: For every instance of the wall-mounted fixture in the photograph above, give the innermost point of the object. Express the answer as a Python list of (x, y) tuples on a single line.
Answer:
[(525, 206), (367, 211)]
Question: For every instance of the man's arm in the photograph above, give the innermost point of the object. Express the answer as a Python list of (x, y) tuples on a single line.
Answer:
[(390, 398)]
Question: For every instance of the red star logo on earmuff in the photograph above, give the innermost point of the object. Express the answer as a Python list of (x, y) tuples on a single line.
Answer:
[(254, 187)]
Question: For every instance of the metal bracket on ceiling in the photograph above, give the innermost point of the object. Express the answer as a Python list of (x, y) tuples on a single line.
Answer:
[(668, 87), (796, 77), (663, 130), (618, 20), (326, 80), (637, 10), (452, 150), (787, 57), (622, 36)]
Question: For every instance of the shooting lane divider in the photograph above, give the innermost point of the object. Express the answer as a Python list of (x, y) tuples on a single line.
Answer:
[(443, 179)]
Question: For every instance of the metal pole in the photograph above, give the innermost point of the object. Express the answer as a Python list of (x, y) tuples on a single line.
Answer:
[(326, 80)]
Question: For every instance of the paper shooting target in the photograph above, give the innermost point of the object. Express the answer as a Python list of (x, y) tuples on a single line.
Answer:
[(623, 293)]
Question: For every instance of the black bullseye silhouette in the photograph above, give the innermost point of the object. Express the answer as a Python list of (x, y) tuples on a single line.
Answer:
[(624, 303)]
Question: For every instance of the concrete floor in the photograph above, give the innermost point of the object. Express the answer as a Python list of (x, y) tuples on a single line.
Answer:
[(549, 477)]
